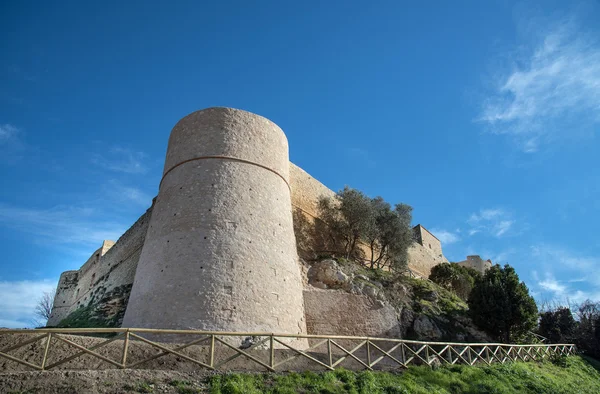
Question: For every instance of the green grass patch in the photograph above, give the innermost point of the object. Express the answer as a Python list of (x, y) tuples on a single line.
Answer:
[(576, 375), (184, 387), (85, 318)]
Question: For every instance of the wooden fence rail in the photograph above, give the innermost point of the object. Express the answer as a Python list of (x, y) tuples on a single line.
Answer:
[(324, 352)]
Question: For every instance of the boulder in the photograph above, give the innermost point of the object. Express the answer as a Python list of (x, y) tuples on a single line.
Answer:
[(328, 273)]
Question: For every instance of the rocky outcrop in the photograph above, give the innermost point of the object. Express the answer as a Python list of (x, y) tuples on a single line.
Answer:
[(425, 328), (326, 274), (346, 297)]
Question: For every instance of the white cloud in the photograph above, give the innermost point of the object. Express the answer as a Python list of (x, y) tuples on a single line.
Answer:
[(564, 258), (61, 224), (554, 92), (551, 284), (496, 222), (8, 132), (579, 275), (18, 300), (118, 192), (122, 160), (446, 237)]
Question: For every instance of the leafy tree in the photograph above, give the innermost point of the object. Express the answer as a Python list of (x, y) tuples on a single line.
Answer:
[(558, 325), (353, 217), (455, 278), (391, 236), (500, 304), (350, 216)]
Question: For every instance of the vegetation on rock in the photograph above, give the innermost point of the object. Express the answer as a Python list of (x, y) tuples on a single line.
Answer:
[(426, 311), (86, 317), (455, 277)]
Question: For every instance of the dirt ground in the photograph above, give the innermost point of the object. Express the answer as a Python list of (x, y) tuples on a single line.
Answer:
[(89, 374), (106, 381)]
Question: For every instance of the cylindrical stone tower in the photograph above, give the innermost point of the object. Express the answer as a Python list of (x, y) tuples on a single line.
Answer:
[(220, 252)]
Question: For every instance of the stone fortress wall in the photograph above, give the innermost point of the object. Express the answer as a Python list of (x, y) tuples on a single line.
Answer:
[(220, 252), (477, 263), (107, 278), (425, 253)]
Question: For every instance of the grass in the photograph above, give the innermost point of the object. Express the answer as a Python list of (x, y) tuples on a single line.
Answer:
[(578, 375), (84, 317), (184, 387), (141, 387)]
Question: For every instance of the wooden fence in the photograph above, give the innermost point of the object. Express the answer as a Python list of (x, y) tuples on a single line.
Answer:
[(325, 352)]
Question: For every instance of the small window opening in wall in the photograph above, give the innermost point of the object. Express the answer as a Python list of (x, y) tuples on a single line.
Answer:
[(429, 246)]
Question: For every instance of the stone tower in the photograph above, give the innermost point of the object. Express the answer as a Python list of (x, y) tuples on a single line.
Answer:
[(220, 252)]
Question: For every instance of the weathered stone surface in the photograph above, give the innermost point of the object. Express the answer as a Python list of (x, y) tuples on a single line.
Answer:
[(425, 328), (328, 273), (220, 252), (341, 313), (110, 268)]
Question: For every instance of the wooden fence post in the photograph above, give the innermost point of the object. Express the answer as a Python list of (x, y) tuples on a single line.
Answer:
[(212, 351), (48, 339), (125, 349), (272, 356)]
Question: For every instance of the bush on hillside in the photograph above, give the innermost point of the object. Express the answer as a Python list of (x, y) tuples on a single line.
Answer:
[(455, 278), (500, 305)]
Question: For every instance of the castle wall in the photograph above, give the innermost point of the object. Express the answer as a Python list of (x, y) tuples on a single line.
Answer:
[(220, 252), (306, 191), (64, 297), (431, 244), (110, 267), (213, 240), (421, 260), (340, 313), (477, 263)]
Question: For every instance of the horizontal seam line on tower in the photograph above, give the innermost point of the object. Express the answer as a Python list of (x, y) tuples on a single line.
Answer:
[(224, 158)]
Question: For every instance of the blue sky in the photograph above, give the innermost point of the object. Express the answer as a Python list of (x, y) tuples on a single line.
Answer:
[(483, 116)]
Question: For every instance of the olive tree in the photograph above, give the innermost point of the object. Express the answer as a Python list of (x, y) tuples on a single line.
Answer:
[(354, 218)]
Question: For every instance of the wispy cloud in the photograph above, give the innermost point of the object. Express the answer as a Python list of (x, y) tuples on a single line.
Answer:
[(567, 259), (8, 132), (446, 237), (18, 300), (551, 284), (553, 92), (62, 224), (127, 194), (496, 222), (579, 275), (12, 146), (121, 160)]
